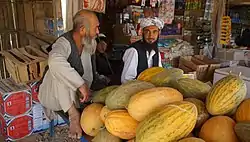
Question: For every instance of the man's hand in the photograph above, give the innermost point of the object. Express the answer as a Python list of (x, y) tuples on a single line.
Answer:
[(84, 90)]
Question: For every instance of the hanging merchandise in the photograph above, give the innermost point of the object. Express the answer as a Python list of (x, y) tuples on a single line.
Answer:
[(208, 10), (225, 30), (166, 11), (143, 3), (153, 3), (95, 5)]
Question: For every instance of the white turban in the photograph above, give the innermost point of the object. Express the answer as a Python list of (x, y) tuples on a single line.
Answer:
[(145, 22)]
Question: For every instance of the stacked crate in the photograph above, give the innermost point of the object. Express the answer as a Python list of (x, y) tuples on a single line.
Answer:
[(21, 113), (15, 110)]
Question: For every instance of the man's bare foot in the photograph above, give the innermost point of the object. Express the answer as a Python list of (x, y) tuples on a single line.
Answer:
[(75, 130)]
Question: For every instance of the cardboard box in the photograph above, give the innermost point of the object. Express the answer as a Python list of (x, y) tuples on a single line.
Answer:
[(245, 75), (34, 91), (15, 99), (16, 128), (40, 122)]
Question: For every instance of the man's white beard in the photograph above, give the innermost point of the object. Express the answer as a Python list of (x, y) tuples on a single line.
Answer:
[(89, 44)]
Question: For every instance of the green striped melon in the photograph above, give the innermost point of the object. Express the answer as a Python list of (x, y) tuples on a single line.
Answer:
[(170, 123), (192, 88), (202, 111), (100, 96), (226, 95), (119, 98), (165, 77)]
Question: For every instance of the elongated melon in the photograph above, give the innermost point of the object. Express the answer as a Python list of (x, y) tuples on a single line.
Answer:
[(119, 123), (104, 113), (170, 123), (100, 96), (226, 95), (119, 98), (192, 88), (147, 74), (202, 111), (165, 77), (145, 102)]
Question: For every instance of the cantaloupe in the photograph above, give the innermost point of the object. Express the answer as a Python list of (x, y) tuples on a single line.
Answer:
[(91, 122), (219, 129)]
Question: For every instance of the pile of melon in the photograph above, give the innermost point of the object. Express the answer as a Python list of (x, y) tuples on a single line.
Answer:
[(164, 106)]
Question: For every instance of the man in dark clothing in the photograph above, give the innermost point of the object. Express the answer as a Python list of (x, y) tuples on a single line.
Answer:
[(143, 54)]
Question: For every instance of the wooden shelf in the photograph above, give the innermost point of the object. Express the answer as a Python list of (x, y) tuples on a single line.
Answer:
[(235, 3), (45, 38)]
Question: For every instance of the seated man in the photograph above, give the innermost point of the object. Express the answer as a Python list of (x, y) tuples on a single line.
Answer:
[(143, 54), (70, 69)]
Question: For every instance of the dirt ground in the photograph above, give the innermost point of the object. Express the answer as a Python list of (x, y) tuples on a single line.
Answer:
[(61, 135)]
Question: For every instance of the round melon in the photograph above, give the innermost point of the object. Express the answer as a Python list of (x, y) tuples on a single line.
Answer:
[(91, 121), (147, 101), (242, 130), (202, 111), (121, 124), (243, 111), (170, 123), (147, 74), (191, 139), (105, 136), (104, 113), (192, 88), (100, 96), (219, 129), (226, 95), (119, 98)]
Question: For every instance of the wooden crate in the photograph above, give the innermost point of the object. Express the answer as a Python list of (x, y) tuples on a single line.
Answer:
[(186, 63), (203, 66), (212, 65), (25, 64)]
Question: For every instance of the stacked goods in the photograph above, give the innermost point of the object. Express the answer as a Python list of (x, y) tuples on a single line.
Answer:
[(139, 111)]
